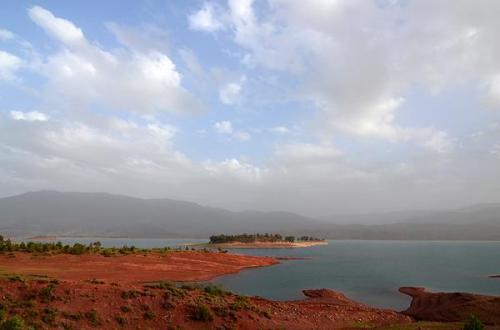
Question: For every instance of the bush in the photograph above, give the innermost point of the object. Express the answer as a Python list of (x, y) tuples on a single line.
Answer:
[(130, 294), (93, 318), (15, 323), (201, 313), (49, 315), (473, 323), (240, 303), (149, 315), (125, 309), (120, 320), (47, 294), (214, 290)]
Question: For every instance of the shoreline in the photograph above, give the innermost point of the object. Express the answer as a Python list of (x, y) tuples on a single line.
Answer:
[(143, 279), (262, 245), (178, 266)]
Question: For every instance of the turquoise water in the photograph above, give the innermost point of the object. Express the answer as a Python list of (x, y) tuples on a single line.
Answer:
[(372, 271), (367, 271)]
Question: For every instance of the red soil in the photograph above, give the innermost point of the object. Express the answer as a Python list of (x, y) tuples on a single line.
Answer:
[(450, 307), (174, 266), (70, 306)]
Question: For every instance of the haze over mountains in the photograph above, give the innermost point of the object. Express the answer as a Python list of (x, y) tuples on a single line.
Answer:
[(101, 214)]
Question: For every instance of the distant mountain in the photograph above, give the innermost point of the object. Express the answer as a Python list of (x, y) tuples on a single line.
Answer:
[(100, 214), (487, 213), (69, 213)]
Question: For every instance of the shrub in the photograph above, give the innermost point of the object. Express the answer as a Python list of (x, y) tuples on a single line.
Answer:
[(201, 313), (473, 323), (221, 311), (241, 303), (120, 320), (15, 323), (130, 294), (149, 315), (72, 316), (125, 309), (93, 318), (2, 315), (49, 315), (47, 294), (167, 305), (189, 286), (214, 290)]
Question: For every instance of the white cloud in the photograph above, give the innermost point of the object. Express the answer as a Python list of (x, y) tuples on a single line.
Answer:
[(6, 35), (137, 80), (307, 152), (29, 116), (61, 29), (493, 93), (229, 94), (226, 127), (242, 136), (9, 64), (357, 59), (235, 168), (280, 130), (223, 127), (439, 141), (205, 19)]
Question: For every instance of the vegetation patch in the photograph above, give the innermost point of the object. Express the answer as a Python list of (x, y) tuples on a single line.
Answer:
[(120, 320), (47, 294), (14, 323), (201, 312), (473, 323), (130, 294), (125, 309), (149, 315), (267, 238), (49, 315), (93, 318), (215, 290)]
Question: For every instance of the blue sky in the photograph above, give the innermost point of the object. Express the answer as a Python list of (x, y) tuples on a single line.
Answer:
[(319, 108)]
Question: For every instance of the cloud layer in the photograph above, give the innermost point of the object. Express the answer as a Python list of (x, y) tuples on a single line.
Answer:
[(316, 107)]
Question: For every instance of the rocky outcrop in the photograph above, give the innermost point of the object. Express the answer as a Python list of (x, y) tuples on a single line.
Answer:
[(451, 307)]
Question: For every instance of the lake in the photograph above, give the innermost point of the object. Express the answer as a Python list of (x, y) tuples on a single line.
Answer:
[(366, 271)]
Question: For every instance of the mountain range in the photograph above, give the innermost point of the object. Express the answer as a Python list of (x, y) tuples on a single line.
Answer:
[(102, 214)]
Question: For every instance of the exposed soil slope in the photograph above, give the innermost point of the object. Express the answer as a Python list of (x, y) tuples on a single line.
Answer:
[(101, 305), (174, 265), (449, 307)]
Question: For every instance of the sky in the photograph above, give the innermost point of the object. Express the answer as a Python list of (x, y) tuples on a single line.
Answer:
[(318, 107)]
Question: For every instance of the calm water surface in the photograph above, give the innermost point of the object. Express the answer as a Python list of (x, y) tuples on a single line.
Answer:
[(367, 271)]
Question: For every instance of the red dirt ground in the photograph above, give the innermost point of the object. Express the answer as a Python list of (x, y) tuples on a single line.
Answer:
[(173, 266), (84, 305)]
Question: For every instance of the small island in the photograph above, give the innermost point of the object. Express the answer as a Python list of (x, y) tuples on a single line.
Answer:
[(263, 241)]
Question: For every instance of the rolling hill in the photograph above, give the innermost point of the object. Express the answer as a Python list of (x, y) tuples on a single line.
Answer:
[(101, 214)]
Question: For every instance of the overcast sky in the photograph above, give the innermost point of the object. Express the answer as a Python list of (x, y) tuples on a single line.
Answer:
[(317, 107)]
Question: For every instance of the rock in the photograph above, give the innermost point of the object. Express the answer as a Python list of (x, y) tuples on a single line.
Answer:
[(451, 307)]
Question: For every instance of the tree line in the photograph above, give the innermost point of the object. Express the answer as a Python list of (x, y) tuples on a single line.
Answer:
[(251, 238), (6, 245)]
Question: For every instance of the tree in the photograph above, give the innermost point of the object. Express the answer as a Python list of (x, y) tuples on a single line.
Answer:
[(473, 323), (15, 323), (290, 239)]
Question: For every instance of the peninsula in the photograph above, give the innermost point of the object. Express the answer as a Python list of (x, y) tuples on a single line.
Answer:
[(263, 241)]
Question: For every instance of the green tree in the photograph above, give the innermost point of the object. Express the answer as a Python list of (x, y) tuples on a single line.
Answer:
[(15, 323), (473, 323)]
